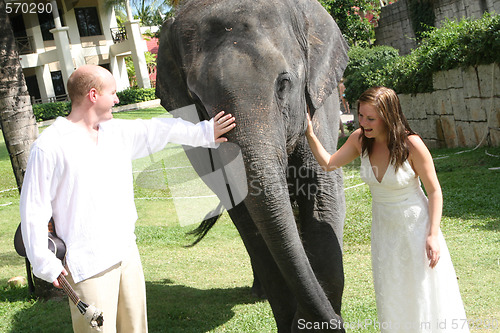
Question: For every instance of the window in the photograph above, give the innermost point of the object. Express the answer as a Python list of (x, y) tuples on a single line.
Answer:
[(33, 89), (88, 21), (58, 83), (46, 21)]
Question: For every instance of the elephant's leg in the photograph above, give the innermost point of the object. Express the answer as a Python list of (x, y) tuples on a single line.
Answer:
[(257, 288), (278, 294), (324, 253), (319, 196)]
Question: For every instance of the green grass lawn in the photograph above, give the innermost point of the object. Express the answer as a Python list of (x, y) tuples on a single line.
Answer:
[(206, 288)]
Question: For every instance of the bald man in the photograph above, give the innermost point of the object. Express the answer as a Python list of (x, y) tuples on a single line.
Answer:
[(80, 173)]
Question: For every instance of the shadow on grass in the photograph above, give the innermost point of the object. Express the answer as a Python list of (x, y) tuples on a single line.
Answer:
[(41, 315), (10, 258), (177, 308), (171, 308)]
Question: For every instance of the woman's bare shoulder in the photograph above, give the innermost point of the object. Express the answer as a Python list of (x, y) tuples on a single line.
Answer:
[(418, 150), (355, 139), (416, 143)]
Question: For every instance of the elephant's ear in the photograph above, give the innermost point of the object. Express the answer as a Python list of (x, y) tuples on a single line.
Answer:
[(171, 87), (326, 52)]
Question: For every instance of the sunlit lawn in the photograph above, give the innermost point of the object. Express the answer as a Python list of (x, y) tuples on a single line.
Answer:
[(206, 288)]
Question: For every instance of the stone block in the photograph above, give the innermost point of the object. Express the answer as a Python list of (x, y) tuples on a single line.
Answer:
[(439, 80), (494, 139), (489, 78), (476, 109), (448, 131), (471, 86), (458, 105), (405, 101), (442, 102), (466, 134), (416, 108), (432, 144), (428, 103), (454, 78), (419, 126), (431, 127), (480, 130), (494, 113)]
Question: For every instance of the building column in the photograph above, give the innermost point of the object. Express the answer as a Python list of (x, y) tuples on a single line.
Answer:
[(62, 45), (119, 70), (45, 84), (138, 49), (42, 72)]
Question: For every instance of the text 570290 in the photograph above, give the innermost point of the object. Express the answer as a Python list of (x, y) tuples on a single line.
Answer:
[(28, 8)]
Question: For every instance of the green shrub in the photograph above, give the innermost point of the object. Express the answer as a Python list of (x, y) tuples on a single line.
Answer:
[(456, 44), (365, 68), (136, 95), (48, 111)]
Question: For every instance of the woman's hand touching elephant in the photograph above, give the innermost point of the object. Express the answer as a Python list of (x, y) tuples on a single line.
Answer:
[(222, 125), (309, 130)]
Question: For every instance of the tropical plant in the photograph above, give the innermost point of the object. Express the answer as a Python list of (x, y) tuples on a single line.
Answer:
[(16, 114), (17, 120), (352, 17), (149, 12), (463, 43)]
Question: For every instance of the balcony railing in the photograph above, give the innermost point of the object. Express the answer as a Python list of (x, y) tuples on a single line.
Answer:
[(25, 45), (119, 34), (59, 98)]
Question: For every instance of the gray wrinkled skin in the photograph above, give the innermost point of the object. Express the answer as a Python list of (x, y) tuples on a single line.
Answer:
[(265, 62)]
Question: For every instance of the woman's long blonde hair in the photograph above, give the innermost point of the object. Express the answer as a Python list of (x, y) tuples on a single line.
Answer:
[(387, 104)]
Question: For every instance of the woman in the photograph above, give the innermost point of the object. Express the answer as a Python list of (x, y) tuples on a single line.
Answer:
[(415, 283)]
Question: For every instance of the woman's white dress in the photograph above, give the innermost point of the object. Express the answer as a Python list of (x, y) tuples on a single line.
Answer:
[(411, 297)]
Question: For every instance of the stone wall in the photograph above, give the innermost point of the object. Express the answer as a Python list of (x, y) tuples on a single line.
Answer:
[(395, 29), (463, 111), (457, 9)]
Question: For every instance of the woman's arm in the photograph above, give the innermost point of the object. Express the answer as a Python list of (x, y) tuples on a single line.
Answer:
[(421, 161), (347, 153)]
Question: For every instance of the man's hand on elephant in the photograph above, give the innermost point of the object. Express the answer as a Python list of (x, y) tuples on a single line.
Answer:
[(222, 125)]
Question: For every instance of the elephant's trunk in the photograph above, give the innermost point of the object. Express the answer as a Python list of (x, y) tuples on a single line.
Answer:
[(268, 203)]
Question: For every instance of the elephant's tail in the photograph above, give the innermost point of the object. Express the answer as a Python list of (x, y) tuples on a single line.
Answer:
[(206, 224)]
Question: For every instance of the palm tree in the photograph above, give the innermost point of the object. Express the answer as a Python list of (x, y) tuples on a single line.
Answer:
[(149, 12), (16, 114), (17, 120)]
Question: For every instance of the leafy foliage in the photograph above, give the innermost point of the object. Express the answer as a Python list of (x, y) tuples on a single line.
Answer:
[(349, 16), (136, 95), (366, 68), (422, 16), (48, 111), (149, 12), (462, 43), (129, 63)]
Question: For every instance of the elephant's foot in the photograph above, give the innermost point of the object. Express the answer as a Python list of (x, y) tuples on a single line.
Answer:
[(258, 290)]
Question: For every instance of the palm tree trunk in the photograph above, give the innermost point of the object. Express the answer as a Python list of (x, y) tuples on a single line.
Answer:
[(16, 114), (17, 120)]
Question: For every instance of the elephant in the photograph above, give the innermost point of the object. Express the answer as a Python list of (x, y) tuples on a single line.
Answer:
[(267, 62)]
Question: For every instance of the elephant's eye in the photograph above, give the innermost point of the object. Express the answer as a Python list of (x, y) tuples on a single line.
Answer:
[(283, 83)]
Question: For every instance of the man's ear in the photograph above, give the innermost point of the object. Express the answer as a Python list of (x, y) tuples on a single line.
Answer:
[(93, 94)]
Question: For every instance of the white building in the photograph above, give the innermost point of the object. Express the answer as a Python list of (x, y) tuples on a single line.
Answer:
[(58, 36)]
